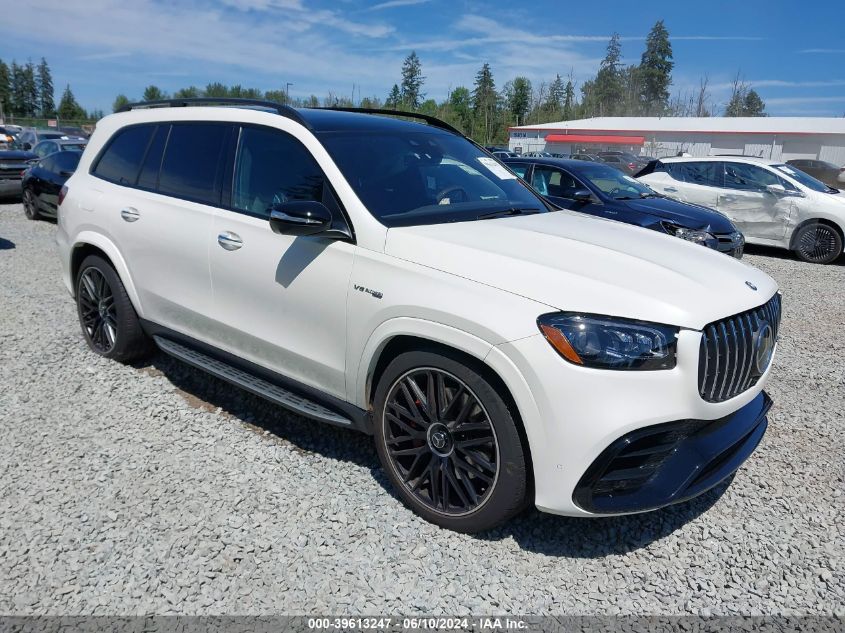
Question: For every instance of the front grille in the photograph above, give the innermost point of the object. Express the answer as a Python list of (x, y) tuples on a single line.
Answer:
[(11, 171), (726, 365)]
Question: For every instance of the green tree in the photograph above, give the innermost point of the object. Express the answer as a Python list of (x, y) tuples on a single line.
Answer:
[(44, 85), (459, 106), (371, 102), (30, 90), (485, 103), (278, 96), (191, 92), (556, 96), (18, 90), (119, 101), (518, 97), (394, 99), (69, 109), (569, 104), (216, 90), (655, 70), (604, 95), (96, 115), (412, 81), (153, 93), (5, 89), (753, 104), (429, 107)]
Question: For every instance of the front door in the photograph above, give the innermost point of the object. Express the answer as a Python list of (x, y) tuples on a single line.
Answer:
[(560, 186), (757, 212), (280, 300)]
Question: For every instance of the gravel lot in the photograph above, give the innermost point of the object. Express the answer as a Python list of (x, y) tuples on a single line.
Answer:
[(157, 489)]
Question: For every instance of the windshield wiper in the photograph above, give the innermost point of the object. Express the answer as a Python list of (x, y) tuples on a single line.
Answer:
[(651, 194), (504, 213), (626, 198)]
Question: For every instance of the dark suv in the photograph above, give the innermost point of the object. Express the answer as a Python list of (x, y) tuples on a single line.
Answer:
[(599, 189)]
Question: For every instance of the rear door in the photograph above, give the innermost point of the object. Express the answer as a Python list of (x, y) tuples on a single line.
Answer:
[(280, 300), (165, 181), (745, 200)]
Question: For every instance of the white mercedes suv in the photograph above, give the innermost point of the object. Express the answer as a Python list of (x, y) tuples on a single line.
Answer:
[(392, 277), (772, 203)]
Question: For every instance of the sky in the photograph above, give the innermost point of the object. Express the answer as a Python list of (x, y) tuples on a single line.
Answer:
[(792, 53)]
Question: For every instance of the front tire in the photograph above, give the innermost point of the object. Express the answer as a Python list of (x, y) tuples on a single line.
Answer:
[(448, 442), (109, 323), (818, 243), (30, 205)]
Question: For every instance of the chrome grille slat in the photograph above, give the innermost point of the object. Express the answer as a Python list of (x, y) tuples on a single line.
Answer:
[(726, 368)]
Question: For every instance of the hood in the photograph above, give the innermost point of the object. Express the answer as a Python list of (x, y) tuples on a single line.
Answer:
[(570, 261), (15, 155), (691, 215)]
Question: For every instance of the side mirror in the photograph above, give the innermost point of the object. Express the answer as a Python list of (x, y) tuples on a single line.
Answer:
[(300, 217), (582, 195), (777, 190)]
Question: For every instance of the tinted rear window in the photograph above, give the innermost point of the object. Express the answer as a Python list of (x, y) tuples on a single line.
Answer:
[(66, 161), (191, 166), (148, 178), (121, 160)]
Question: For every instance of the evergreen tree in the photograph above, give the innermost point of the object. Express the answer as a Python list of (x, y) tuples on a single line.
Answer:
[(604, 95), (30, 90), (655, 70), (44, 84), (485, 103), (460, 107), (569, 100), (5, 89), (119, 101), (191, 92), (394, 98), (69, 109), (18, 90), (518, 97), (557, 95), (153, 93), (753, 104), (412, 81), (216, 90)]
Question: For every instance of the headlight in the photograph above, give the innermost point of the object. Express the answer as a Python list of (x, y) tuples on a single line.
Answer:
[(609, 342), (692, 235)]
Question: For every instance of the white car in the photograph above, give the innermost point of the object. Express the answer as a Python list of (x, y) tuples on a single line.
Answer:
[(772, 203), (393, 278)]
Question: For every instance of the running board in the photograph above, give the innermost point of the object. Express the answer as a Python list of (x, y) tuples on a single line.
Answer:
[(252, 383)]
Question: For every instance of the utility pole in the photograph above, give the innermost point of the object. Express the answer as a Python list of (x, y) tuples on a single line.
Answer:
[(287, 92)]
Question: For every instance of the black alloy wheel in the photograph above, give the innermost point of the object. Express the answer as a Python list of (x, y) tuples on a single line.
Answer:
[(97, 310), (818, 243), (30, 206), (440, 441)]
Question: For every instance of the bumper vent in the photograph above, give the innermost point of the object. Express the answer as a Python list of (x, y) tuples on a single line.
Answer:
[(731, 351)]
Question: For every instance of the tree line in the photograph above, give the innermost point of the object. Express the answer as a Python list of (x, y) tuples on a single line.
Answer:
[(27, 92)]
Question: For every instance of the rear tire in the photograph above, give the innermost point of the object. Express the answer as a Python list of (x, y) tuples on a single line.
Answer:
[(30, 205), (818, 243), (109, 322), (459, 463)]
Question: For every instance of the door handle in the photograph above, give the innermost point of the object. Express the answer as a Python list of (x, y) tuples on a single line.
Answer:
[(230, 241), (670, 189), (130, 214)]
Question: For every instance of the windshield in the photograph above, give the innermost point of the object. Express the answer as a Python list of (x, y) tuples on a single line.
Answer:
[(805, 179), (613, 183), (413, 178)]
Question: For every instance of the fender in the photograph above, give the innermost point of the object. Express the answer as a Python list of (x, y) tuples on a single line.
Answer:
[(108, 247)]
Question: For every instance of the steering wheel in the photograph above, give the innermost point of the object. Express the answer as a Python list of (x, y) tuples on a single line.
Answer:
[(443, 193)]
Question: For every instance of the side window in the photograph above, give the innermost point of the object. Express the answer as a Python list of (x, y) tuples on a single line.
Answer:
[(148, 178), (120, 161), (48, 164), (272, 167), (191, 168), (697, 173), (45, 148), (748, 177), (557, 183), (518, 169)]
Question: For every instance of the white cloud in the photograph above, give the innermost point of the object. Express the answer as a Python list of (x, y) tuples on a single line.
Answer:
[(778, 101), (391, 4), (833, 51)]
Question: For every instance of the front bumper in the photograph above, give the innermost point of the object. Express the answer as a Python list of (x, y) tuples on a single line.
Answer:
[(668, 463), (10, 187), (732, 244)]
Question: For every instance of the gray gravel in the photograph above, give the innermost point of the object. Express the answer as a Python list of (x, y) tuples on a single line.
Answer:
[(156, 489)]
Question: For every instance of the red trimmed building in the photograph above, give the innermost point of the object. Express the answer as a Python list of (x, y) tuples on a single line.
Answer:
[(779, 138)]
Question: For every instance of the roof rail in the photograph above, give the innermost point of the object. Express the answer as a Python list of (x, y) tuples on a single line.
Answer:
[(432, 121), (278, 108)]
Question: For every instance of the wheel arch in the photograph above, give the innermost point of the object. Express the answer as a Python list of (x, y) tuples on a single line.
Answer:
[(837, 226), (476, 354), (95, 244)]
